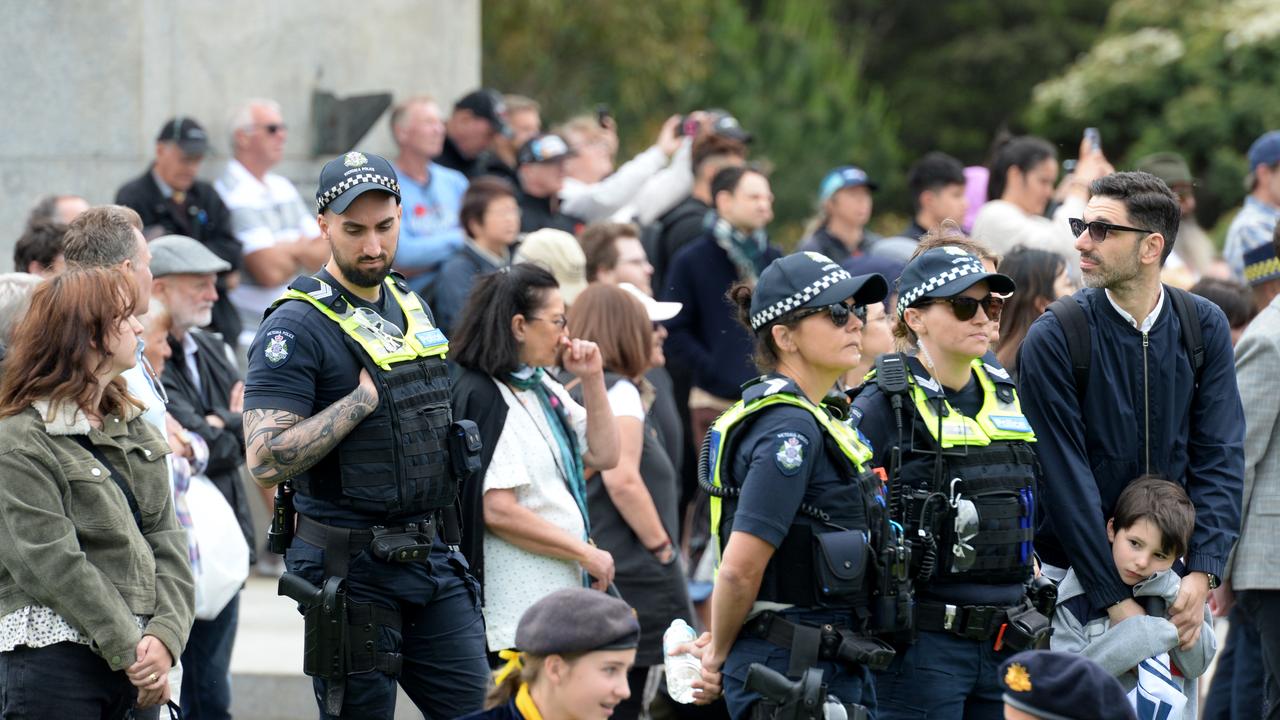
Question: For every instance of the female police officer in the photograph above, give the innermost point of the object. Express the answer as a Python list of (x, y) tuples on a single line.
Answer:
[(946, 426), (791, 503)]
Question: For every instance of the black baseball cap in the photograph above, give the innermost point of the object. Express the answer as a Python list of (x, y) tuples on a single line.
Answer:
[(346, 178), (486, 103), (547, 147), (187, 134), (726, 125), (946, 272), (809, 279)]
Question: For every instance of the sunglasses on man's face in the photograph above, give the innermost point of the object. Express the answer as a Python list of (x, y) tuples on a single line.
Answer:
[(273, 128), (1098, 229), (966, 307), (839, 313)]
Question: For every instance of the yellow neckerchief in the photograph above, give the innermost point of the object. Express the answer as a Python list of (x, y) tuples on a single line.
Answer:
[(524, 703), (515, 663)]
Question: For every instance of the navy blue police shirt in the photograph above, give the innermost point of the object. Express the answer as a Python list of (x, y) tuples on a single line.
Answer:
[(779, 460), (301, 362), (872, 415)]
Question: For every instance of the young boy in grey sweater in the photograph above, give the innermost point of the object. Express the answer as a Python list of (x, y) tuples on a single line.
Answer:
[(1150, 528)]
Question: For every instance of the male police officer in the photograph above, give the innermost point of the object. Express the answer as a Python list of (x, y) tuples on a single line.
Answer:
[(347, 397)]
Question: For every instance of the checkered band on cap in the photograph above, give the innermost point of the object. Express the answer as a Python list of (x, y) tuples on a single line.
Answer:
[(1263, 270), (937, 281), (798, 299), (351, 181)]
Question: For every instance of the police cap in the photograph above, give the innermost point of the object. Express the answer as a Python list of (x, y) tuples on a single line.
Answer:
[(1261, 264), (346, 178), (809, 280), (577, 620), (1062, 686), (946, 272)]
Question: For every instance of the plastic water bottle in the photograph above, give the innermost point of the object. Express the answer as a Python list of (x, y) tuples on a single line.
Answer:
[(683, 669)]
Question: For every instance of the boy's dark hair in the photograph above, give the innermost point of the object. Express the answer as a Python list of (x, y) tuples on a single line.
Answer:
[(1165, 504), (1149, 202), (934, 171)]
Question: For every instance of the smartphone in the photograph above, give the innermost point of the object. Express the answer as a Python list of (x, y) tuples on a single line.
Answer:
[(1093, 139), (602, 114), (688, 127)]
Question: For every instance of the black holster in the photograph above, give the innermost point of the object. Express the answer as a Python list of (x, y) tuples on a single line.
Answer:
[(802, 699), (340, 636)]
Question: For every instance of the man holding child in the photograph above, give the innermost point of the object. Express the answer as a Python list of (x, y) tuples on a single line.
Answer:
[(1154, 398)]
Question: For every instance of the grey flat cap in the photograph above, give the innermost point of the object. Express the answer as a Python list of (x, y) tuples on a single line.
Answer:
[(181, 255), (577, 620)]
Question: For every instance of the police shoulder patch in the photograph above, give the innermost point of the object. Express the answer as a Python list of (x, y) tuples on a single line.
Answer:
[(279, 345), (789, 456)]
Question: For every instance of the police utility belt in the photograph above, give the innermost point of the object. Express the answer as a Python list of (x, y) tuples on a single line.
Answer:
[(1017, 628), (809, 643), (406, 543)]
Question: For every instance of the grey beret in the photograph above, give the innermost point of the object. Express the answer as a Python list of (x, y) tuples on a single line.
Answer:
[(577, 620), (181, 255)]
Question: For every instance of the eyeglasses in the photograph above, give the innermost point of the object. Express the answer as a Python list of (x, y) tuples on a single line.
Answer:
[(1098, 229), (839, 313), (966, 307), (273, 128), (560, 322)]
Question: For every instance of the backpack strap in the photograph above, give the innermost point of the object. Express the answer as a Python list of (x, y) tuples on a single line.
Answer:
[(1189, 319), (1075, 326)]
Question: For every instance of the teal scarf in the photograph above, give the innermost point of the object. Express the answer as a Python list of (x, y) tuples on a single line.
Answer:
[(527, 378), (746, 251)]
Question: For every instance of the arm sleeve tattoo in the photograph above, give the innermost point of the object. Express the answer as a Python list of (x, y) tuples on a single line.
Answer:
[(280, 445)]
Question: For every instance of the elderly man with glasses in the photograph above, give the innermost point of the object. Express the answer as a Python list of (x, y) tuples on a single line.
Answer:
[(278, 231), (1126, 378)]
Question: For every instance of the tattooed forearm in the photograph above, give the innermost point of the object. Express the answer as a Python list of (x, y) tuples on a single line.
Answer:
[(280, 445)]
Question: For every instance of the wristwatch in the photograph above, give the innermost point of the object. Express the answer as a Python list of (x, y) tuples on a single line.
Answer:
[(1213, 581)]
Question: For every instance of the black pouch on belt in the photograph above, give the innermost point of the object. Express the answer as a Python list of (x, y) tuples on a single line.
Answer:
[(407, 545), (1027, 628), (840, 567)]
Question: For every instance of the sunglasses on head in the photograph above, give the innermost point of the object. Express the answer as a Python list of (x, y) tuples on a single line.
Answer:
[(1098, 229), (839, 313), (966, 307)]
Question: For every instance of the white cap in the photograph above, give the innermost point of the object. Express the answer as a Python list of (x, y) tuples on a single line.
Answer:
[(658, 311)]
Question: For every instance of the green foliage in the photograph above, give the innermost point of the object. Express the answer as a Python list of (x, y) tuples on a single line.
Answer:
[(783, 71), (1194, 76), (820, 83), (956, 72)]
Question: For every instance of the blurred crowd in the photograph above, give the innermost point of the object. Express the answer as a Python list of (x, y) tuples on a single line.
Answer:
[(497, 203)]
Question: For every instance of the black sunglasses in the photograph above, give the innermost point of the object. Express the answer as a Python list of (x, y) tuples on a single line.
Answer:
[(966, 307), (839, 313), (1098, 229), (273, 128)]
